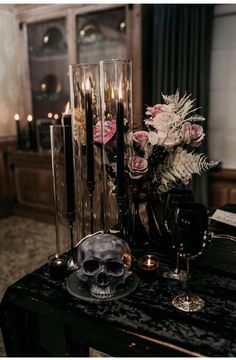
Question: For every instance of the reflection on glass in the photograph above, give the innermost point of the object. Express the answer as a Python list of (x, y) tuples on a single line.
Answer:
[(101, 35), (52, 37), (50, 85), (89, 34), (122, 26)]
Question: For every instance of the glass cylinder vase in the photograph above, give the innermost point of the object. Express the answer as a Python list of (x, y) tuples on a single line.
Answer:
[(66, 212), (84, 92), (117, 127)]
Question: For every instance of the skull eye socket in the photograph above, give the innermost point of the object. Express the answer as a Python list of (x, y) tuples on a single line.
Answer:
[(90, 266), (114, 268)]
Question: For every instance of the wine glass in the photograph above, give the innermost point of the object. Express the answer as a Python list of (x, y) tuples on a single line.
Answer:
[(190, 235), (175, 197)]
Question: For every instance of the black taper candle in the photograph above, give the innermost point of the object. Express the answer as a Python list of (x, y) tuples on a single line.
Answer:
[(89, 141), (18, 131), (31, 134), (120, 149), (69, 169), (66, 119)]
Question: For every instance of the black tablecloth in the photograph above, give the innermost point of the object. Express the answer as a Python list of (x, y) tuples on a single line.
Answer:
[(145, 318)]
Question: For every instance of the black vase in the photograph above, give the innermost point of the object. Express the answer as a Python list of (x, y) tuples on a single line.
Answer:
[(155, 213), (141, 232)]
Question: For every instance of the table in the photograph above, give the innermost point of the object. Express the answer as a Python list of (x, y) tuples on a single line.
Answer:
[(40, 318)]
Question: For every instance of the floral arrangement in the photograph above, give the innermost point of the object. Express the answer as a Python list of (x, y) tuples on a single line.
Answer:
[(161, 155), (164, 154)]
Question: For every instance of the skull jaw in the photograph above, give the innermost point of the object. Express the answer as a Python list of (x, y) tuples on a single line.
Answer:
[(102, 292)]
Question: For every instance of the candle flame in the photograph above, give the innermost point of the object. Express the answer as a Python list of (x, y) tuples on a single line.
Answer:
[(17, 117), (149, 262), (112, 93), (29, 117), (67, 110), (87, 86)]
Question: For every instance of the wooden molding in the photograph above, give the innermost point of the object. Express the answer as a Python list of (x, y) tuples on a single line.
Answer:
[(223, 174), (5, 141), (39, 12)]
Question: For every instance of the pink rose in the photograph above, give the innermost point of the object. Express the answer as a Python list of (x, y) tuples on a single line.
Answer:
[(109, 129), (193, 134), (155, 110), (197, 135), (138, 167), (141, 138)]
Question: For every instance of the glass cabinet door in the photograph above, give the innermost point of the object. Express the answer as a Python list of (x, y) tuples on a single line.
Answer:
[(48, 60), (101, 35)]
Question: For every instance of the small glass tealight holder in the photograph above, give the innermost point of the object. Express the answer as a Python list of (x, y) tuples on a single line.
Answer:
[(148, 267), (57, 265)]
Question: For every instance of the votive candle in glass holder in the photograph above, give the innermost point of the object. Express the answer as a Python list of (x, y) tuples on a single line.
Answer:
[(57, 265), (148, 267)]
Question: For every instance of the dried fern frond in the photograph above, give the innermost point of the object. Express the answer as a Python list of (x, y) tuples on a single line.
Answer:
[(180, 166), (195, 118), (181, 106)]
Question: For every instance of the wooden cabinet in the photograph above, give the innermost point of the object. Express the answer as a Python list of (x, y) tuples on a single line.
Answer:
[(32, 185), (222, 187), (48, 62), (6, 144), (54, 36)]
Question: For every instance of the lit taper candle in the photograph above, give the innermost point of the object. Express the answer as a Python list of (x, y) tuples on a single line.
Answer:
[(120, 146), (18, 131)]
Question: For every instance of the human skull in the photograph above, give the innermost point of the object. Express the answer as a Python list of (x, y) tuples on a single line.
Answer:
[(104, 263)]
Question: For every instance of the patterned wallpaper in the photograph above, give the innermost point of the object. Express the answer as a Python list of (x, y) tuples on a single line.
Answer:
[(10, 90)]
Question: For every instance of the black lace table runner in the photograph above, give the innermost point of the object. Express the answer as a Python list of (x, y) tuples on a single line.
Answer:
[(145, 315)]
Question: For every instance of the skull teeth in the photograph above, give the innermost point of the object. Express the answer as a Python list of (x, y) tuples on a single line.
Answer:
[(101, 293)]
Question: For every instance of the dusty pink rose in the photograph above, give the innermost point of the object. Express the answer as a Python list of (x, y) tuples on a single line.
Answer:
[(193, 134), (141, 138), (137, 166), (109, 129), (197, 135), (155, 110)]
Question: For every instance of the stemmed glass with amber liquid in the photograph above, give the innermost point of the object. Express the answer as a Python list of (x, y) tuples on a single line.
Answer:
[(175, 197), (190, 236)]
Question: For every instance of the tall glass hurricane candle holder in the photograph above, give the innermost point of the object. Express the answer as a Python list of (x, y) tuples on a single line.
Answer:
[(63, 183), (117, 125), (84, 91)]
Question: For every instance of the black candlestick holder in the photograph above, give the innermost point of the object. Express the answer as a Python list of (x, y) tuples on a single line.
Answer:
[(71, 262)]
